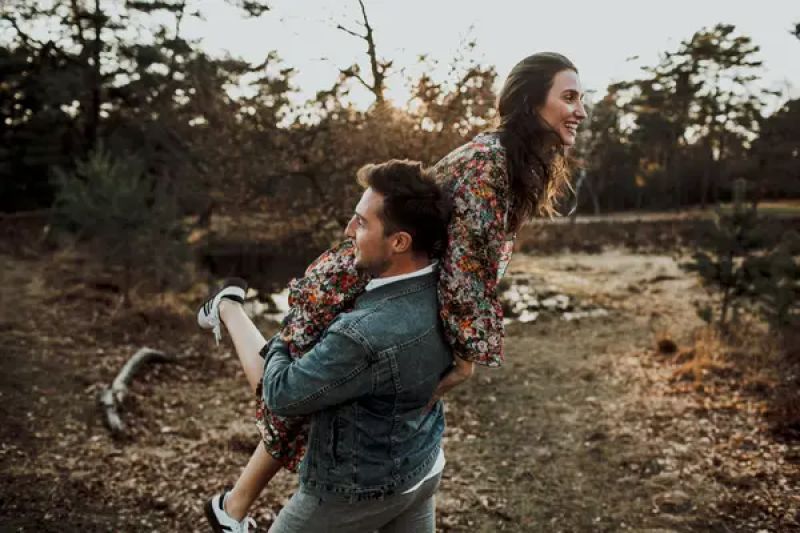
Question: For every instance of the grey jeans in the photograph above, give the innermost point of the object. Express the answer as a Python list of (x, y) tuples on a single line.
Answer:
[(403, 513)]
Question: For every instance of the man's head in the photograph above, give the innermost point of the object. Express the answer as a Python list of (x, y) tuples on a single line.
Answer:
[(400, 221)]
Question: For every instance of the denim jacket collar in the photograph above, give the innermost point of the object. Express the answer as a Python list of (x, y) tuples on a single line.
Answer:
[(397, 288)]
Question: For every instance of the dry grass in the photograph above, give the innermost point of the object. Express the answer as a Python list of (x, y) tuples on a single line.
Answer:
[(750, 357), (706, 355)]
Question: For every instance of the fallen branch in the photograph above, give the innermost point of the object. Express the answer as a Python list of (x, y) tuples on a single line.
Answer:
[(112, 398)]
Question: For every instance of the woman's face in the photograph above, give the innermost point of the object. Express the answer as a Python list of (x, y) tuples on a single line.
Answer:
[(563, 110)]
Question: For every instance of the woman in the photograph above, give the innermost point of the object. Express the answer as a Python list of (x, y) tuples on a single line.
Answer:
[(496, 182)]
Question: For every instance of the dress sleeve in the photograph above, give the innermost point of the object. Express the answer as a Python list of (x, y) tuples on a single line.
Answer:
[(329, 287), (469, 303)]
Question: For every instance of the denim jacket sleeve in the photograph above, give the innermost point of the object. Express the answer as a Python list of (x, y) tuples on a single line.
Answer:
[(335, 371)]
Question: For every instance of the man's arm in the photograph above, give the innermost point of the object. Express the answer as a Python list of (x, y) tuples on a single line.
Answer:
[(330, 374)]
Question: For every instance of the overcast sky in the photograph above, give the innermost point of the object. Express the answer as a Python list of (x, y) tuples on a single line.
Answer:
[(600, 36)]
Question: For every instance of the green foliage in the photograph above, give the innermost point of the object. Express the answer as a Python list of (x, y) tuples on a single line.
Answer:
[(774, 280), (130, 220), (721, 268), (776, 153), (739, 269), (225, 133), (691, 120)]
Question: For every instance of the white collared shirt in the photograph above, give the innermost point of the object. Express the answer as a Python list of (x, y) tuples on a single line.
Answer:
[(374, 283)]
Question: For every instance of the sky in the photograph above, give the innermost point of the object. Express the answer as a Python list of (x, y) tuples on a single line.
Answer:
[(608, 40)]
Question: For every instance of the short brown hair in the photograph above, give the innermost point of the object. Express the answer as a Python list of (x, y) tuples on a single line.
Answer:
[(412, 202)]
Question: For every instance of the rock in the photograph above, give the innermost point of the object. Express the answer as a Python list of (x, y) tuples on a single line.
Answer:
[(559, 302), (577, 315), (528, 316), (674, 502)]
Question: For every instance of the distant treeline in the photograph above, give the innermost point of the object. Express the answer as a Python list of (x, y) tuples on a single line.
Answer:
[(119, 77)]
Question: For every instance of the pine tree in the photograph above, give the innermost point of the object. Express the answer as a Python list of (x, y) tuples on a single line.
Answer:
[(123, 213), (741, 268)]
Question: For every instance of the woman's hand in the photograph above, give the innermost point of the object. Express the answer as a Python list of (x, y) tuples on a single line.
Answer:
[(461, 372)]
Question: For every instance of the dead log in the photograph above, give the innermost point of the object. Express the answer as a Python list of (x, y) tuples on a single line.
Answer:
[(112, 398)]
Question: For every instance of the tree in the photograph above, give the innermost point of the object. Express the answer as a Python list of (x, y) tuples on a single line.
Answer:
[(151, 91), (743, 263), (776, 153), (610, 159), (68, 80), (379, 68), (128, 218), (459, 105), (703, 95)]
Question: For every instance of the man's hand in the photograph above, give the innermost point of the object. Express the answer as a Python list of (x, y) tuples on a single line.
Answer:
[(461, 372)]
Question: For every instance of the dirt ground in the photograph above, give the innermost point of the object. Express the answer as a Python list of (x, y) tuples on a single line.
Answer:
[(582, 430)]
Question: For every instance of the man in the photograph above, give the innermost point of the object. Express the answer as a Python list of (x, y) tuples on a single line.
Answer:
[(374, 459)]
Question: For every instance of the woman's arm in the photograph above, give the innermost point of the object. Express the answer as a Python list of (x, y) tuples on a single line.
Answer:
[(470, 307), (462, 370), (469, 304)]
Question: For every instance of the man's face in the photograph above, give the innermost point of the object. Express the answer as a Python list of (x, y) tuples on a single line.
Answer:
[(373, 248)]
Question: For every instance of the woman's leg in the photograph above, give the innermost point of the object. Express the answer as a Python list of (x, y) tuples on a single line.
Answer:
[(260, 469), (334, 272), (247, 340)]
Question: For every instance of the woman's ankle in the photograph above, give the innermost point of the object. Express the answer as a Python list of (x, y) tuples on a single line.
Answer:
[(227, 307), (232, 505)]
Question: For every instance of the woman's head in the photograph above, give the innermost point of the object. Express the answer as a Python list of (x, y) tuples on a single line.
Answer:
[(544, 91), (540, 109)]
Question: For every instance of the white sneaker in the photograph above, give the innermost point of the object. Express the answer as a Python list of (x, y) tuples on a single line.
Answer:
[(221, 522), (208, 315)]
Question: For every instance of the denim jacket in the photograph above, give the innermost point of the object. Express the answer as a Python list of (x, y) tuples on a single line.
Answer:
[(366, 384)]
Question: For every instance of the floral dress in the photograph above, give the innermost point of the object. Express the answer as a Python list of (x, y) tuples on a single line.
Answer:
[(477, 254)]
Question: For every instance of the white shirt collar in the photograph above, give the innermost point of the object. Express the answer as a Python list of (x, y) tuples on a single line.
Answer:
[(379, 282)]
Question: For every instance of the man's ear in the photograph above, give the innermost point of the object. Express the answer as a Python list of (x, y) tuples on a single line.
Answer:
[(401, 242)]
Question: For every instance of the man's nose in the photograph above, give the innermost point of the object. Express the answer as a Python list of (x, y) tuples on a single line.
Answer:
[(348, 230)]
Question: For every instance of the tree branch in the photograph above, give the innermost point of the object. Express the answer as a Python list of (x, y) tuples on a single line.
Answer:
[(378, 69), (112, 398), (351, 32), (76, 15), (378, 73), (353, 74), (43, 47)]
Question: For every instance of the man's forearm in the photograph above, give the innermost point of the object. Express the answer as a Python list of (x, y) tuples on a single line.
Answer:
[(325, 376)]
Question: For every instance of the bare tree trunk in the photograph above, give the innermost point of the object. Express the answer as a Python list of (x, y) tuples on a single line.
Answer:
[(378, 68), (93, 118)]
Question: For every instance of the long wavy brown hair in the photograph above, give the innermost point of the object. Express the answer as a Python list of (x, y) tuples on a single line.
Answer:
[(536, 159)]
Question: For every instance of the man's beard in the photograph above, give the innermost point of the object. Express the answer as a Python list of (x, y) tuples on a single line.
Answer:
[(374, 269)]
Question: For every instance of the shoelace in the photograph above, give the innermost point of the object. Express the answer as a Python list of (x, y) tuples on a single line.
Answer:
[(217, 330), (208, 306), (247, 523)]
